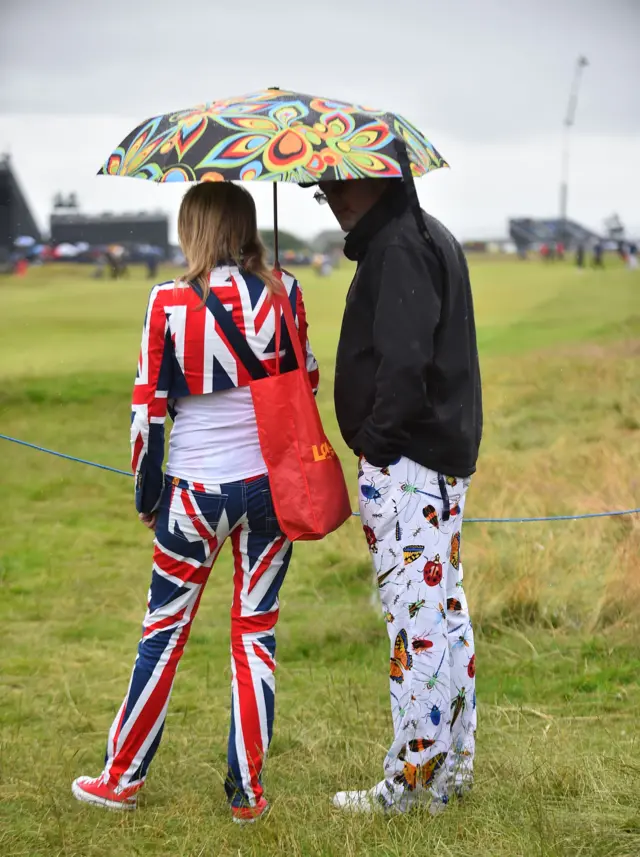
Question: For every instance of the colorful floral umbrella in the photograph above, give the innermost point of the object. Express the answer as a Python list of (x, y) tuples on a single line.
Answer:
[(273, 135)]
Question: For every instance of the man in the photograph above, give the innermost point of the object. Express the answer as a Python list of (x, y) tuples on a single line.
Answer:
[(408, 402), (597, 255)]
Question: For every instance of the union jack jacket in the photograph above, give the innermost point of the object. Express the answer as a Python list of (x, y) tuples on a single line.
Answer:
[(184, 353)]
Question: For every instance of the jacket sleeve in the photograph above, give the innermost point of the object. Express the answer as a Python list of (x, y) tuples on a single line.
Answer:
[(301, 320), (149, 406), (406, 316)]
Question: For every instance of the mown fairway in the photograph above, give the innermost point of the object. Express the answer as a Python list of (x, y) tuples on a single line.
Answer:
[(556, 605)]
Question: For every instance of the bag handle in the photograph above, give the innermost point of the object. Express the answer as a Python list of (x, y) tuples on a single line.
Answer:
[(236, 340), (278, 329), (294, 334)]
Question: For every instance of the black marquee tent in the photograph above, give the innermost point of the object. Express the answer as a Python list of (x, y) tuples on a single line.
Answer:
[(16, 218)]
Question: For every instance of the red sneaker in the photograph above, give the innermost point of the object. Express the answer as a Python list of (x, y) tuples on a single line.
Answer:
[(100, 792), (249, 814)]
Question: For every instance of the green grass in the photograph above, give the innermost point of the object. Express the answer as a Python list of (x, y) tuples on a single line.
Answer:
[(556, 606)]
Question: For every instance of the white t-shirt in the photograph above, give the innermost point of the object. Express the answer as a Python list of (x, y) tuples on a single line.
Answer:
[(214, 438)]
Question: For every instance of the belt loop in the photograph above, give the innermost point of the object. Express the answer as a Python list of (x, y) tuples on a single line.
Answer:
[(446, 506)]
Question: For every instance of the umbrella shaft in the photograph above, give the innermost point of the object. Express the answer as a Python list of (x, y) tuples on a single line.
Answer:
[(275, 226)]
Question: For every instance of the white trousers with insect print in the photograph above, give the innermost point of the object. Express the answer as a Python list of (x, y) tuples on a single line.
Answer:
[(412, 520)]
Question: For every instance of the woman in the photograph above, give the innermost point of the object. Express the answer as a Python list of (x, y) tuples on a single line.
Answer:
[(216, 486)]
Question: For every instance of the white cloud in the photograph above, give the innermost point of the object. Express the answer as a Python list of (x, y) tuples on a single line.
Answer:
[(490, 70)]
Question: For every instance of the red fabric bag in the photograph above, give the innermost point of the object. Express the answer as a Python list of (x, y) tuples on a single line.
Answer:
[(309, 493), (308, 489)]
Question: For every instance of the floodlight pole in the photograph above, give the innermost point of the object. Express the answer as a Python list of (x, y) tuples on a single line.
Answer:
[(569, 120)]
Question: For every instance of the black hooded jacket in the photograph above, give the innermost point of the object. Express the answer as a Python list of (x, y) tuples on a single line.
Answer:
[(407, 373)]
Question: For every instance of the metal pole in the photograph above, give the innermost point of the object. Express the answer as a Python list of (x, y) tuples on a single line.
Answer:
[(569, 120), (275, 226), (275, 214)]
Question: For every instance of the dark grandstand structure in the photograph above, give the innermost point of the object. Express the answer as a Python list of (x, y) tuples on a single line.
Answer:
[(16, 219), (528, 233), (68, 225)]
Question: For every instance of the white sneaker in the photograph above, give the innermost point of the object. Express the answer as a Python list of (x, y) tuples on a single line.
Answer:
[(381, 798)]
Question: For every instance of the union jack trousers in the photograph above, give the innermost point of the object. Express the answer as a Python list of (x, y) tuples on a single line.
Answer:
[(193, 522)]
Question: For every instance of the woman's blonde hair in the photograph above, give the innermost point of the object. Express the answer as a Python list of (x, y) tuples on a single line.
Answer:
[(217, 225)]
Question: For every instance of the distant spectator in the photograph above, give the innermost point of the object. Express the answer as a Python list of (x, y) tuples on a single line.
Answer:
[(544, 252), (101, 264), (112, 262), (117, 261), (580, 256), (151, 262), (21, 267), (597, 261), (326, 267), (123, 264), (560, 251), (632, 257)]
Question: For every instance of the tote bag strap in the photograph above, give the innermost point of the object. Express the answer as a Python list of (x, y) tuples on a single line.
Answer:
[(278, 330), (236, 340), (283, 302)]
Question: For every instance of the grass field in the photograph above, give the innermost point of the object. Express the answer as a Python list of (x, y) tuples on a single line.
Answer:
[(556, 605)]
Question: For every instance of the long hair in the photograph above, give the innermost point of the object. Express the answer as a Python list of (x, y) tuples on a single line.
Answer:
[(217, 225)]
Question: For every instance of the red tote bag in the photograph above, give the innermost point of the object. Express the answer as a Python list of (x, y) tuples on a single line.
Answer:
[(309, 492)]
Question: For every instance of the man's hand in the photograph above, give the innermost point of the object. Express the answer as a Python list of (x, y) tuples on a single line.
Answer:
[(148, 520)]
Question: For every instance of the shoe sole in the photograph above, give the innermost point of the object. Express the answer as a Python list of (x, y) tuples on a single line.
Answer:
[(253, 820), (117, 806)]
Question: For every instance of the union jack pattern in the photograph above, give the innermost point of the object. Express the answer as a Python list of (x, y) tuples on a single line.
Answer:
[(184, 353), (193, 522)]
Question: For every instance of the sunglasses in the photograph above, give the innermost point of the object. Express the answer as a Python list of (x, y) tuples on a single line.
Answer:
[(337, 188)]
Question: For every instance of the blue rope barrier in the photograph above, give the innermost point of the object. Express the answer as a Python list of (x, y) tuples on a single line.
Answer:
[(68, 457), (613, 514)]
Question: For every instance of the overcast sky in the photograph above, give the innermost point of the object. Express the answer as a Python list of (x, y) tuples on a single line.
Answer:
[(486, 80)]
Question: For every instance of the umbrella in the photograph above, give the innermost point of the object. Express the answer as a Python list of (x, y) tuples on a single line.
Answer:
[(65, 251), (275, 135), (24, 241)]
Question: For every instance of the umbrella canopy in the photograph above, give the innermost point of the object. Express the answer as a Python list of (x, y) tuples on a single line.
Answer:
[(273, 135), (65, 251), (24, 241)]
